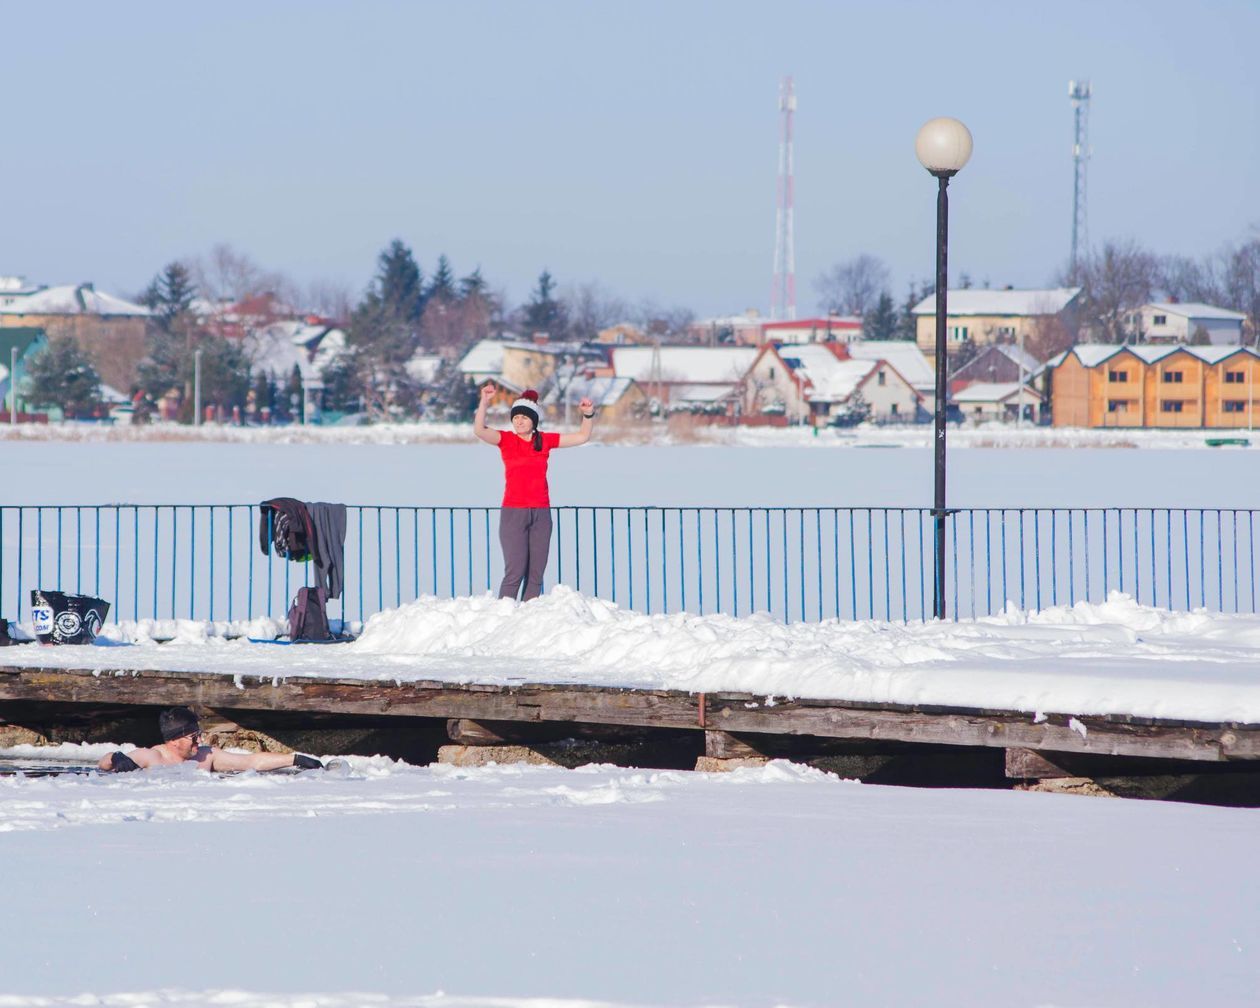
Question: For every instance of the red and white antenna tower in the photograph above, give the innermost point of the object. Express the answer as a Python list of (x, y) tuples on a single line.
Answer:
[(783, 290)]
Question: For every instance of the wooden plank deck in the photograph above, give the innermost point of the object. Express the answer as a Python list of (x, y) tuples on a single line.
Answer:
[(673, 709)]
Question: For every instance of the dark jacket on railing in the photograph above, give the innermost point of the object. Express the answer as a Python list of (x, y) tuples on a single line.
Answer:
[(284, 527), (300, 531), (329, 524)]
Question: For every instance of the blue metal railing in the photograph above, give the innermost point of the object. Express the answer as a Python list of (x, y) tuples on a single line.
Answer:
[(800, 563)]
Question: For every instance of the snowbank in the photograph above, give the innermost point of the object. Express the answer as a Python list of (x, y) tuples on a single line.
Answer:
[(1112, 658), (990, 435)]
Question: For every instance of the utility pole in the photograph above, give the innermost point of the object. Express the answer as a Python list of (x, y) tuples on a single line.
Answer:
[(196, 388), (12, 386)]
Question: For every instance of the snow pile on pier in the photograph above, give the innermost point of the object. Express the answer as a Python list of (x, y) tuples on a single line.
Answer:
[(1116, 657)]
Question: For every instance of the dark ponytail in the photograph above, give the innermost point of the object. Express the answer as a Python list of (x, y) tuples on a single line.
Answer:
[(537, 440)]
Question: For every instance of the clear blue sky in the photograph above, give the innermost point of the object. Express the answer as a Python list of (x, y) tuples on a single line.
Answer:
[(630, 143)]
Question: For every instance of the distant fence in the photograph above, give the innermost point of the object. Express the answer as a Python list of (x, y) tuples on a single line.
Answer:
[(203, 561)]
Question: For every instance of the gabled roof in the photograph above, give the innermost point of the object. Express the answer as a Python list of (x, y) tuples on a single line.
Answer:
[(483, 357), (605, 391), (982, 392), (692, 365), (71, 299), (21, 337), (1196, 310), (825, 376), (1093, 354), (904, 355), (970, 301)]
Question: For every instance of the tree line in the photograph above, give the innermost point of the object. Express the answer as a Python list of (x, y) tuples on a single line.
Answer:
[(401, 315), (1116, 279)]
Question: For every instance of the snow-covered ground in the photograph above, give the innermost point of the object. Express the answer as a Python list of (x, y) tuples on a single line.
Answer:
[(1113, 658), (993, 435), (542, 888), (777, 886)]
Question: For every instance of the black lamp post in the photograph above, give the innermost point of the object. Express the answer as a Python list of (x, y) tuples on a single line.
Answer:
[(943, 147)]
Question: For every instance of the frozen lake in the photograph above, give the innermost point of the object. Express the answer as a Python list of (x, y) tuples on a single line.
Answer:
[(697, 552), (430, 475)]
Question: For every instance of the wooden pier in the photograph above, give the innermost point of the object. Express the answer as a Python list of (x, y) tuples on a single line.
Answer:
[(423, 720)]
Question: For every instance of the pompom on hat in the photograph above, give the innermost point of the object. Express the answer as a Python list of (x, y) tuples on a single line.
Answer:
[(527, 405)]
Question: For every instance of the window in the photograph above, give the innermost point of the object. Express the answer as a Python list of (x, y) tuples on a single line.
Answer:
[(958, 333), (1172, 377), (1159, 320), (1233, 377), (1006, 330), (1171, 405), (770, 373), (881, 379), (1117, 405), (893, 409), (1117, 376), (1234, 406)]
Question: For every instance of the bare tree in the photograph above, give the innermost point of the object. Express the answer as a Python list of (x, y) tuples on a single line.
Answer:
[(1240, 284), (665, 323), (1118, 280), (1185, 279), (852, 287), (592, 308), (225, 274)]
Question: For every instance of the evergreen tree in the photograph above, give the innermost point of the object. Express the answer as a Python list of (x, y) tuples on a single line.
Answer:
[(473, 285), (398, 288), (384, 334), (452, 396), (170, 295), (62, 375), (906, 323), (545, 313), (443, 283), (881, 323)]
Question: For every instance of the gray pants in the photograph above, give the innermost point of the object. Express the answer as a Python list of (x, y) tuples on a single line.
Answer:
[(525, 534)]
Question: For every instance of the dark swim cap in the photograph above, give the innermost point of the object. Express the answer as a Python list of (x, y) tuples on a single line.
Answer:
[(176, 722)]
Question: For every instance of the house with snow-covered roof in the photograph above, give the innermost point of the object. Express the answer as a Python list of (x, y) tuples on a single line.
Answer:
[(740, 330), (110, 330), (698, 378), (985, 316), (18, 345), (813, 330), (1145, 385), (904, 355), (982, 401), (1189, 322), (821, 383)]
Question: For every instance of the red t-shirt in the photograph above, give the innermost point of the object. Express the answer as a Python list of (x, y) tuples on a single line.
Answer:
[(525, 470)]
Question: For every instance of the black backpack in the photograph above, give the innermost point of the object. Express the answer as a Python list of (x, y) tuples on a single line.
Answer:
[(308, 616)]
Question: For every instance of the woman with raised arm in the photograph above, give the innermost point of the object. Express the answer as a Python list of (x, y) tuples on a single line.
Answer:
[(525, 520)]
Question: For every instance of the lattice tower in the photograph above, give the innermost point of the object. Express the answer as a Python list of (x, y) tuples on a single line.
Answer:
[(783, 289)]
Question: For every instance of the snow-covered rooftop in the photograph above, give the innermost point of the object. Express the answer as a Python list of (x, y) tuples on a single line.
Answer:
[(693, 365), (990, 392), (904, 355), (1093, 354), (485, 357), (830, 379), (970, 301), (70, 299), (1196, 310), (603, 391)]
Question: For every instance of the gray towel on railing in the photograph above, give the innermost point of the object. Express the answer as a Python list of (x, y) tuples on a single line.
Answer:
[(329, 547)]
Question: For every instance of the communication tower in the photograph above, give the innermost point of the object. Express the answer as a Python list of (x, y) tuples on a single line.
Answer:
[(1079, 92), (783, 289)]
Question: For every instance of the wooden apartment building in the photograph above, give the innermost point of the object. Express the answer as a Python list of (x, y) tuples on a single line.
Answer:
[(1104, 385)]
